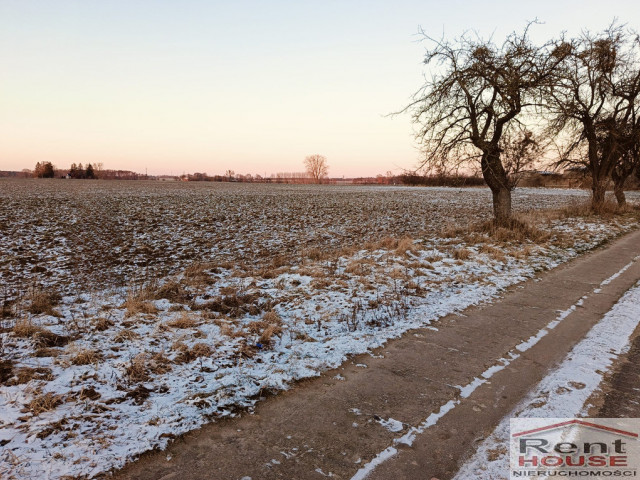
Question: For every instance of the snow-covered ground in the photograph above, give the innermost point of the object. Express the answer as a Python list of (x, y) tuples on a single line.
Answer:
[(105, 374), (75, 236), (564, 392)]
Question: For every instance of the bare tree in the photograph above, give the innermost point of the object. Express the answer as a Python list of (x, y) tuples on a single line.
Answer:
[(593, 103), (628, 159), (629, 130), (317, 167), (473, 105)]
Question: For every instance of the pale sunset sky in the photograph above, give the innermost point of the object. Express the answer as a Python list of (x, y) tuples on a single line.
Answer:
[(252, 86)]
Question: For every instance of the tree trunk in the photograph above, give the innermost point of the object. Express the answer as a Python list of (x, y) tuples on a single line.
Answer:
[(598, 190), (619, 175), (502, 205), (618, 190), (495, 176)]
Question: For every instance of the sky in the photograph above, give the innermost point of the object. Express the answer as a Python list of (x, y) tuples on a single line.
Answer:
[(170, 87)]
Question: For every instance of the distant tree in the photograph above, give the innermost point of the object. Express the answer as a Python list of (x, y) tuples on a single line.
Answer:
[(229, 174), (89, 173), (44, 170), (317, 167), (48, 170), (476, 101)]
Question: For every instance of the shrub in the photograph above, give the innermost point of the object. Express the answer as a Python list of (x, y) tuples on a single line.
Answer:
[(41, 301)]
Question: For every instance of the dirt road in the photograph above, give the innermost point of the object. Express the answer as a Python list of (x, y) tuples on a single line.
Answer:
[(445, 388)]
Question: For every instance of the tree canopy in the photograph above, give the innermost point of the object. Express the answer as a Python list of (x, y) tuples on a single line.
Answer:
[(470, 110)]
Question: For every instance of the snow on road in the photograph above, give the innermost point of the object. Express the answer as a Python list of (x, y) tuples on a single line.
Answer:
[(563, 393)]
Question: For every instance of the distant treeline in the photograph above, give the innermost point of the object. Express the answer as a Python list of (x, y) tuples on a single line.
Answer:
[(48, 170), (441, 180), (301, 178), (570, 178)]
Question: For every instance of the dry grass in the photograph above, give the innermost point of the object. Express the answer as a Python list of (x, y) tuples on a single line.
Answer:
[(87, 357), (268, 333), (184, 321), (461, 254), (400, 245), (234, 305), (125, 335), (321, 283), (173, 291), (26, 374), (26, 329), (279, 261), (136, 305), (519, 229), (46, 352), (316, 254), (406, 245), (101, 324), (196, 275), (354, 267), (580, 209), (521, 253), (187, 354), (495, 253), (452, 231), (584, 209), (136, 370), (272, 317), (159, 364), (201, 350), (43, 301), (44, 403), (46, 339), (41, 337), (267, 328)]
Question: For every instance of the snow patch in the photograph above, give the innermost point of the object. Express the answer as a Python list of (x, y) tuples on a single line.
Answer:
[(564, 392)]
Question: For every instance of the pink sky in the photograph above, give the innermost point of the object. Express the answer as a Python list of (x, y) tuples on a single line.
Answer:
[(249, 86)]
